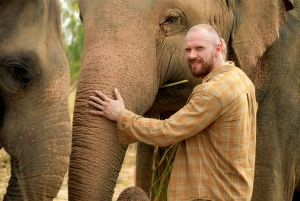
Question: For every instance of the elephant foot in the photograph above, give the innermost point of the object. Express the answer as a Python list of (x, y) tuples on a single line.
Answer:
[(133, 193)]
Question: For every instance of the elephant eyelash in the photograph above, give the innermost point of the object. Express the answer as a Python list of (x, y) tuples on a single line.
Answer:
[(174, 23)]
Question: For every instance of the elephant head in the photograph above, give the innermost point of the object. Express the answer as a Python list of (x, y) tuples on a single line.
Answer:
[(35, 125), (137, 46)]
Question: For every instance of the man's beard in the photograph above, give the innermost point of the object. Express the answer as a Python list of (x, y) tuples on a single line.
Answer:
[(205, 69)]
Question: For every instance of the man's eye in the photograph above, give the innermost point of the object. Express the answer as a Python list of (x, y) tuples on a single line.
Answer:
[(199, 48), (187, 50)]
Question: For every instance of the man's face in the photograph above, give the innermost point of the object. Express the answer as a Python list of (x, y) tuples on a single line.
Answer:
[(199, 54)]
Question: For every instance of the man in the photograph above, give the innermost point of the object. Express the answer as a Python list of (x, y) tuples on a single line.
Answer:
[(215, 130)]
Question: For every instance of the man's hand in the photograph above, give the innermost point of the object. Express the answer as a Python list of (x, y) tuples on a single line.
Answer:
[(107, 107)]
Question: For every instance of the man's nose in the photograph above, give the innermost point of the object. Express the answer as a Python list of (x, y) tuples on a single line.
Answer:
[(192, 54)]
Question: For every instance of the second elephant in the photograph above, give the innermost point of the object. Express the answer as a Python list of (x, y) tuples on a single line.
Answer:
[(35, 125)]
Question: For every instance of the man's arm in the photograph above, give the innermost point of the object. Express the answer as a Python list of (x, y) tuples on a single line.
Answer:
[(202, 109), (198, 114)]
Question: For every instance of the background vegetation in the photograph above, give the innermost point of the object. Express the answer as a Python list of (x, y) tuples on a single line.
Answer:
[(73, 36)]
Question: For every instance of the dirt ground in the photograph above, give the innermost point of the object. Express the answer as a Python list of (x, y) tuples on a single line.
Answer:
[(126, 176)]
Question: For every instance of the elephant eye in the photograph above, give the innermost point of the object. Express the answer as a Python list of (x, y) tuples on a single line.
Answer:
[(175, 23), (14, 76), (171, 19), (18, 71)]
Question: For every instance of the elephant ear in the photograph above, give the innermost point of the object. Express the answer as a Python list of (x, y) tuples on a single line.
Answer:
[(256, 27)]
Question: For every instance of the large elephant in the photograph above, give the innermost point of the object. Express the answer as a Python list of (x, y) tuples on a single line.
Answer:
[(137, 46), (35, 125), (277, 79)]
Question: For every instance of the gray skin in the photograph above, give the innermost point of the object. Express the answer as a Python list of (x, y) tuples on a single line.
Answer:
[(35, 125), (137, 46), (278, 130)]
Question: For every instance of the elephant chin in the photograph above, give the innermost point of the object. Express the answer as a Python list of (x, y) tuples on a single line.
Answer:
[(133, 193)]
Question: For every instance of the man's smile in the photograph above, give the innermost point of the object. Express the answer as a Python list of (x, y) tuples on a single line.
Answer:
[(195, 63)]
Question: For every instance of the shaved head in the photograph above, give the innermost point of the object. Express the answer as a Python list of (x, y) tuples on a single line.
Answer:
[(209, 32)]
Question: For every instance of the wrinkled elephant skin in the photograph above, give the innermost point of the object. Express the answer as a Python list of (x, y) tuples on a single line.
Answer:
[(137, 46), (34, 81), (133, 193), (277, 172)]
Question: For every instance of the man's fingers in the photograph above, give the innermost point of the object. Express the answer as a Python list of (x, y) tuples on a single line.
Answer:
[(96, 105), (97, 100), (101, 95), (117, 94), (97, 113)]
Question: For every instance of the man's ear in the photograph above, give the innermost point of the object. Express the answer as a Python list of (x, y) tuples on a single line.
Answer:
[(218, 48), (224, 49)]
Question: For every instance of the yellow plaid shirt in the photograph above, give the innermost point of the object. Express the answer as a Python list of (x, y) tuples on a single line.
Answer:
[(216, 135)]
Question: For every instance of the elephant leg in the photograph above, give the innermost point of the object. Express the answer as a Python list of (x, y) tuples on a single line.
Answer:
[(144, 166), (133, 193), (13, 191), (145, 158), (1, 116)]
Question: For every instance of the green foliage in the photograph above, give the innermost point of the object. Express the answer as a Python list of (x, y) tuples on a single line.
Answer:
[(73, 35), (160, 179)]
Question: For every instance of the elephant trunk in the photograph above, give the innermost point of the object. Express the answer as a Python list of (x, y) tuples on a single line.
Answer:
[(39, 149), (97, 155)]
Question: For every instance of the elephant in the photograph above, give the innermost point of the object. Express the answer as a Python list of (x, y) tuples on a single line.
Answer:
[(35, 128), (137, 47), (278, 94)]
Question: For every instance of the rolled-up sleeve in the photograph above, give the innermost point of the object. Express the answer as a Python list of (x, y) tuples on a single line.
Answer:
[(201, 110), (123, 120)]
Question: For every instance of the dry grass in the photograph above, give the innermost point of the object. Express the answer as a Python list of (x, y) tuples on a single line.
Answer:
[(4, 172)]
